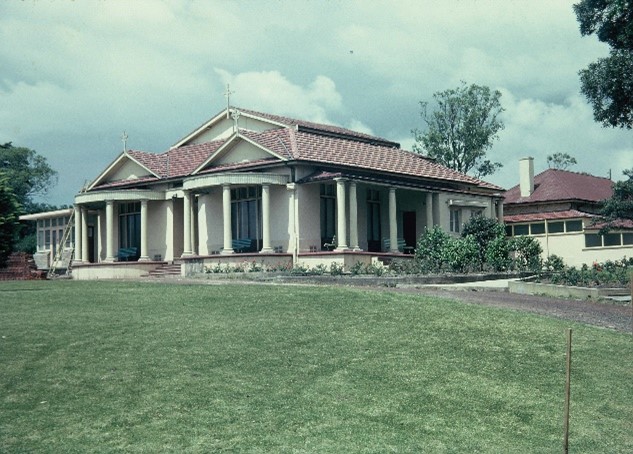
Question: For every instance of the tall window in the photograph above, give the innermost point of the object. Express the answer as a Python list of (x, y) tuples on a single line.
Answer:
[(373, 220), (246, 221), (455, 220), (130, 225), (328, 213)]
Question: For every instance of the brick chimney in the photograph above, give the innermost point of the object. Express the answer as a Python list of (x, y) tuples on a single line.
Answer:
[(526, 176)]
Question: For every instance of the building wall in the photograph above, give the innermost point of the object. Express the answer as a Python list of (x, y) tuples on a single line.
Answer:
[(571, 248)]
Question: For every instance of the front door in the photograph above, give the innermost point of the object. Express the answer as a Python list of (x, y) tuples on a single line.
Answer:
[(408, 229)]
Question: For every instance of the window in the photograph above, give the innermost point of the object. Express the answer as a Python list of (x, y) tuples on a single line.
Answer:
[(455, 220), (328, 213), (50, 232), (574, 226), (373, 220), (246, 222), (521, 229), (627, 238), (508, 230), (537, 229), (612, 239), (130, 226), (556, 227), (593, 240)]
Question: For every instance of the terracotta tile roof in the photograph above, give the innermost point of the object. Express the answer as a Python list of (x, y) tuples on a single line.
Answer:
[(550, 216), (330, 150), (318, 126), (318, 144), (121, 183), (557, 185)]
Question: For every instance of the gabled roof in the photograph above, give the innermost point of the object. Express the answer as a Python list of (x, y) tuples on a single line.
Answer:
[(298, 141), (555, 185)]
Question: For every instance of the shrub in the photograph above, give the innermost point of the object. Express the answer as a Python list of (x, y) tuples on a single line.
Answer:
[(429, 253), (400, 266), (336, 269), (357, 268), (498, 254), (483, 230), (554, 263), (461, 254), (527, 253)]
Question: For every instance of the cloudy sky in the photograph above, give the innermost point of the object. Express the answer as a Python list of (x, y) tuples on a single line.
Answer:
[(75, 74)]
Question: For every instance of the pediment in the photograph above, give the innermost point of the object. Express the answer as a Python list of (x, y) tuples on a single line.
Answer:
[(222, 126), (238, 150), (124, 168)]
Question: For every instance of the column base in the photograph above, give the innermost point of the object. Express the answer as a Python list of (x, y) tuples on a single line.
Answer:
[(267, 250), (185, 255), (227, 251), (144, 259), (342, 248)]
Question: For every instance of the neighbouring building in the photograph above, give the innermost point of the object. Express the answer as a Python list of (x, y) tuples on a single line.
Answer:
[(560, 209), (54, 250), (251, 186)]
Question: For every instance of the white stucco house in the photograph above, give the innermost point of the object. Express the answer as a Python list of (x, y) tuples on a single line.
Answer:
[(248, 185), (560, 210)]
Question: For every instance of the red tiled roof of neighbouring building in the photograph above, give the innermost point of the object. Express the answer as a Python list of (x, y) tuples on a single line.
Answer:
[(558, 185), (549, 215)]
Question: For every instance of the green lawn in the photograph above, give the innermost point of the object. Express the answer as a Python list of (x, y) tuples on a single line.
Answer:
[(152, 367)]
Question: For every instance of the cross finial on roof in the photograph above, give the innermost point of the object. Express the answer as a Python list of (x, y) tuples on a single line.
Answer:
[(124, 138), (227, 95), (235, 115)]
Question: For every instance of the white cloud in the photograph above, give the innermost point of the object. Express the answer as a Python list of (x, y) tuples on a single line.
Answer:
[(271, 92)]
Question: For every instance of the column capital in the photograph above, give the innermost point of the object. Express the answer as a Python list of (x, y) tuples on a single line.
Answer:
[(341, 179), (291, 186)]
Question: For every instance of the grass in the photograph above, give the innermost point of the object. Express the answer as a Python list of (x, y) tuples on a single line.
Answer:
[(146, 367)]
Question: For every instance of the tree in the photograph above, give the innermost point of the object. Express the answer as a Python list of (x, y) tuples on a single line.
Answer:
[(462, 128), (28, 174), (608, 83), (620, 205), (9, 212), (561, 161)]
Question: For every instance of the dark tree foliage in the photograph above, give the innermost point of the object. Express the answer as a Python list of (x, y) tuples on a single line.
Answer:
[(461, 128), (608, 82), (620, 205), (561, 161), (9, 213), (28, 174)]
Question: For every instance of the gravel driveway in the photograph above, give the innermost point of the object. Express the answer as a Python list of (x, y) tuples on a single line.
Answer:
[(604, 314)]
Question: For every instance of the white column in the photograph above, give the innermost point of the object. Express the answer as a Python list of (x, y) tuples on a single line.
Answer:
[(97, 234), (226, 213), (429, 210), (341, 214), (78, 225), (353, 217), (266, 219), (85, 257), (144, 257), (109, 231), (169, 231), (292, 226), (393, 221), (186, 216)]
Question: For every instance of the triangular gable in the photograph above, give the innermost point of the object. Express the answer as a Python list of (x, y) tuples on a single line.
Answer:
[(124, 167), (222, 126), (238, 149)]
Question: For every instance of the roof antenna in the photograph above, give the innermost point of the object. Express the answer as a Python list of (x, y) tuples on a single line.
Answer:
[(124, 138), (227, 95)]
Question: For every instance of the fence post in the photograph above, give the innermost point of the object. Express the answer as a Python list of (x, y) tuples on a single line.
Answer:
[(567, 394)]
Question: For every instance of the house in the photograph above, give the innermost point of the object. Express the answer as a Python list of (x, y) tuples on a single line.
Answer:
[(560, 209), (251, 186)]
